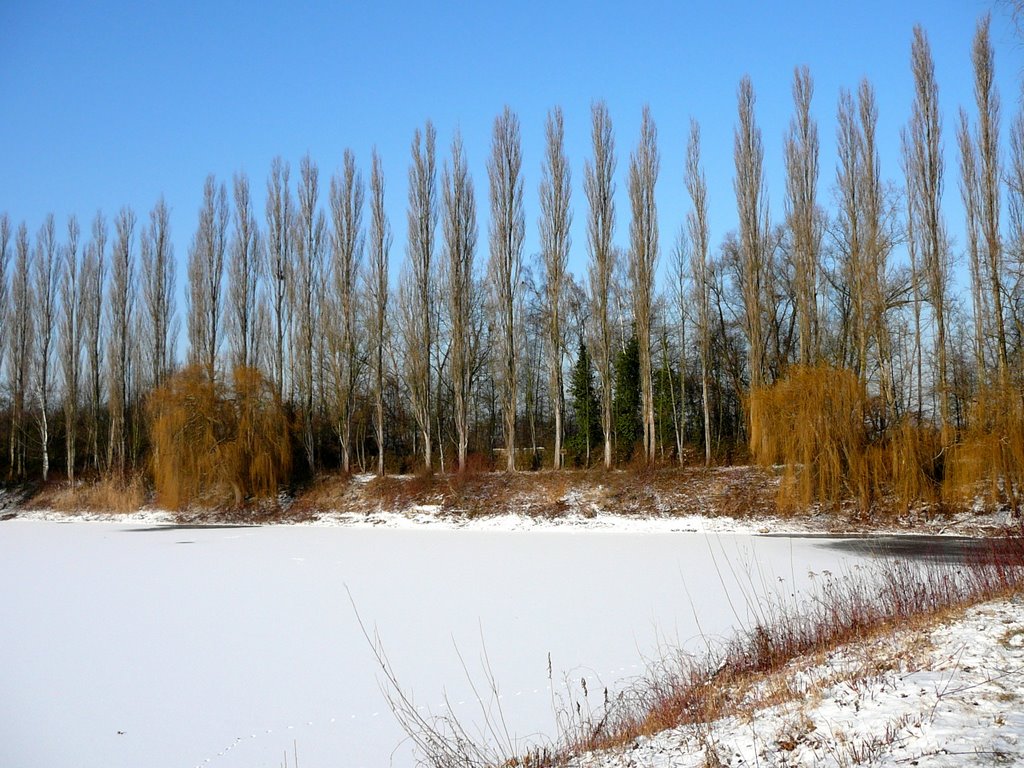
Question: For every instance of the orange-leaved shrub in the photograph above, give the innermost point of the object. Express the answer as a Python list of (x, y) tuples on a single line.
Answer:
[(212, 443)]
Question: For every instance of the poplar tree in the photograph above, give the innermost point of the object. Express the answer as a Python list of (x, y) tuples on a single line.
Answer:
[(71, 342), (346, 198), (419, 327), (556, 240), (377, 289), (697, 226), (508, 228), (460, 235), (599, 185), (643, 259)]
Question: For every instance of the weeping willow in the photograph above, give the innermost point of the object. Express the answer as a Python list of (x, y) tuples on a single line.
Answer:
[(988, 460), (213, 444)]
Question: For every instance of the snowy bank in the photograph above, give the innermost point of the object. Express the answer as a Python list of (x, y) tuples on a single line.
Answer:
[(942, 695)]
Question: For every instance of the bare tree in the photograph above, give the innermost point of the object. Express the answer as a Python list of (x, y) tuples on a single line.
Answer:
[(5, 257), (752, 207), (310, 234), (802, 211), (93, 284), (969, 193), (460, 235), (697, 226), (347, 248), (555, 222), (279, 258), (120, 305), (158, 278), (47, 281), (599, 186), (243, 277), (507, 230), (926, 190), (422, 220), (877, 243), (554, 225), (643, 258), (987, 98), (377, 289), (70, 338), (20, 347), (206, 277)]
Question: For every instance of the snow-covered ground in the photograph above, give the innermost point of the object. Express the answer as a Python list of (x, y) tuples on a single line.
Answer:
[(951, 695), (135, 645)]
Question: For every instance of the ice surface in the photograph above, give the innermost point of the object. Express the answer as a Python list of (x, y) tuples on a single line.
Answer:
[(223, 647)]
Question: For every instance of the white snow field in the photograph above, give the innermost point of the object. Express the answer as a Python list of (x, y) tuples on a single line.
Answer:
[(228, 647)]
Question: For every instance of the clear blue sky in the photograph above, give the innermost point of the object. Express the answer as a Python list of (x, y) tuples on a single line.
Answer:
[(114, 103)]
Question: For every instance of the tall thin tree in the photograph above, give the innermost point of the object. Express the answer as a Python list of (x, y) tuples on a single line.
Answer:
[(987, 98), (346, 196), (599, 185), (697, 226), (244, 268), (460, 235), (156, 254), (801, 212), (310, 235), (47, 282), (206, 277), (422, 221), (120, 309), (643, 259), (20, 340), (280, 216), (752, 207), (507, 230), (71, 343), (556, 240), (377, 288), (926, 189), (94, 278)]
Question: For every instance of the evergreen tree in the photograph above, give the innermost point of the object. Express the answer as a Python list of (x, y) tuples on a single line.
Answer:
[(586, 436), (626, 406)]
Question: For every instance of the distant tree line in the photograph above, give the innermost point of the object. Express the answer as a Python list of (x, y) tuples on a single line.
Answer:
[(464, 351)]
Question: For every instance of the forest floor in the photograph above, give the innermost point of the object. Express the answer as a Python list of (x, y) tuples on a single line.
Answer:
[(736, 499)]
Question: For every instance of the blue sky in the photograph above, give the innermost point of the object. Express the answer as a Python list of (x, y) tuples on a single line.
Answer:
[(108, 104)]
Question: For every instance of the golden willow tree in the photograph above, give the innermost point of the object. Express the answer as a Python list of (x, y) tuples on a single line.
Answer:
[(217, 445)]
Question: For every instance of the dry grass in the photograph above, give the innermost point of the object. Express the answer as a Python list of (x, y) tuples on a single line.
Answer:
[(742, 676), (753, 670), (666, 491), (108, 494)]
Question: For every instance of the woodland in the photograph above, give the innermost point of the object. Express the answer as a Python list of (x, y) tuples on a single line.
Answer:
[(829, 338)]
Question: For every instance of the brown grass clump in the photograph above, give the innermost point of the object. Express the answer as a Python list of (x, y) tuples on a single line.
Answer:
[(989, 457), (107, 494), (214, 444)]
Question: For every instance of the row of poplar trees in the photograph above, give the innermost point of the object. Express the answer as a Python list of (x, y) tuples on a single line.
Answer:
[(455, 359)]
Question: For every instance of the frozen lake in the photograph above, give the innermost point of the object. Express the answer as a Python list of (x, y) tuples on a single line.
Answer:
[(227, 647)]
